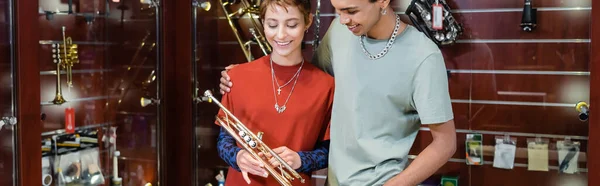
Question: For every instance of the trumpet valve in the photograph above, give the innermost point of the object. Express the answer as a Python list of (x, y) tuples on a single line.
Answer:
[(247, 138), (242, 134), (252, 144), (260, 135)]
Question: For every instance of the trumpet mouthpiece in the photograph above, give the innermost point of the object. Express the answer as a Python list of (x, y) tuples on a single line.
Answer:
[(207, 93)]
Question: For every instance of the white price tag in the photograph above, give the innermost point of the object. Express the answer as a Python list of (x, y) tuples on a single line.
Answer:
[(438, 15)]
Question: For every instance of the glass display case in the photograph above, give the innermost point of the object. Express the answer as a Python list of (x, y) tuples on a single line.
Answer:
[(100, 89), (7, 96)]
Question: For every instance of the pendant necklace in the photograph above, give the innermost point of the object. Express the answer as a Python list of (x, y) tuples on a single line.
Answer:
[(281, 109)]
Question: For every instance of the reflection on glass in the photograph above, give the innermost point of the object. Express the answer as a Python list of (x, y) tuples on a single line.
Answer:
[(7, 132), (100, 134)]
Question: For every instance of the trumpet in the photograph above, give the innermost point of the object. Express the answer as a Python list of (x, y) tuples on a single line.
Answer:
[(64, 56), (253, 143), (256, 31)]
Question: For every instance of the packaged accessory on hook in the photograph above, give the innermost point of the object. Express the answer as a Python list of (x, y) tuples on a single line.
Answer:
[(537, 154), (474, 149), (568, 155), (91, 173), (46, 163), (434, 18), (504, 154), (90, 166), (76, 158)]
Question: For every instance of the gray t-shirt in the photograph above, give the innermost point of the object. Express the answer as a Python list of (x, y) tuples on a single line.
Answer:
[(379, 105)]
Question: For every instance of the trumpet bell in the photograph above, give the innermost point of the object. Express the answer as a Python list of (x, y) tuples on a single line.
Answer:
[(148, 101), (59, 99), (205, 6)]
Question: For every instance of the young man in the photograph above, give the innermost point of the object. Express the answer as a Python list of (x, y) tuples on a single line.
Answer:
[(390, 79)]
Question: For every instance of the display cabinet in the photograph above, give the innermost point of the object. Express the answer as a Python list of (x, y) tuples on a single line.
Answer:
[(100, 84), (534, 87), (7, 96)]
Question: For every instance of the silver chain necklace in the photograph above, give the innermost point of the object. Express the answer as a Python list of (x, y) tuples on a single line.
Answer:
[(278, 108), (387, 47), (279, 87)]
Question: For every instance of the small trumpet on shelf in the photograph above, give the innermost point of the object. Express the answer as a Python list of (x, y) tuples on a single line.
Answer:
[(64, 55)]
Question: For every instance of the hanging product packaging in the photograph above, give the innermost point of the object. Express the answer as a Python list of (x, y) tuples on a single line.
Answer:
[(504, 154), (474, 150), (46, 165), (568, 155), (537, 153)]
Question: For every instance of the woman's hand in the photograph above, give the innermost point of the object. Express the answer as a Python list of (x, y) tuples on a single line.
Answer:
[(248, 164), (291, 157)]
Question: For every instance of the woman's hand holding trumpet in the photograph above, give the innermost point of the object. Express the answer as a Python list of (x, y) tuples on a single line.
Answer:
[(248, 164)]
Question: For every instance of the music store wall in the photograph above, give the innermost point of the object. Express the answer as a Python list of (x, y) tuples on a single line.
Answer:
[(503, 80)]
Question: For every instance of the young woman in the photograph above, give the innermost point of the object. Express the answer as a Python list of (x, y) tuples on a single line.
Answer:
[(282, 95)]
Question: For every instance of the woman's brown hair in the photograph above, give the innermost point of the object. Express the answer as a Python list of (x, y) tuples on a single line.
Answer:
[(303, 6)]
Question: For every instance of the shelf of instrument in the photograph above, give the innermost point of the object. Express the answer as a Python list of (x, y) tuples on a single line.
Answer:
[(49, 103), (139, 66), (78, 14), (85, 71), (524, 165), (49, 42), (62, 131), (521, 134), (136, 159), (138, 20)]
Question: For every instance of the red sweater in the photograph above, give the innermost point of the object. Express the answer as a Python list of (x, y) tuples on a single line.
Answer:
[(305, 120)]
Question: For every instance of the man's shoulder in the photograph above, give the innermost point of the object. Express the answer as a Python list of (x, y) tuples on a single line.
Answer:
[(417, 44)]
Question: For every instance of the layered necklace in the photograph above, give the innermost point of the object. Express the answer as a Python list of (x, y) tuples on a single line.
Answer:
[(387, 47), (281, 109)]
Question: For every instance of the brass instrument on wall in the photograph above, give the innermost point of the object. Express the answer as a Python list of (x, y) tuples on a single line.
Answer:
[(253, 143), (420, 14), (252, 10), (64, 55), (133, 70)]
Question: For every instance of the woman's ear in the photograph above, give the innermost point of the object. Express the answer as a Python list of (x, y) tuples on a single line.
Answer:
[(310, 21)]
